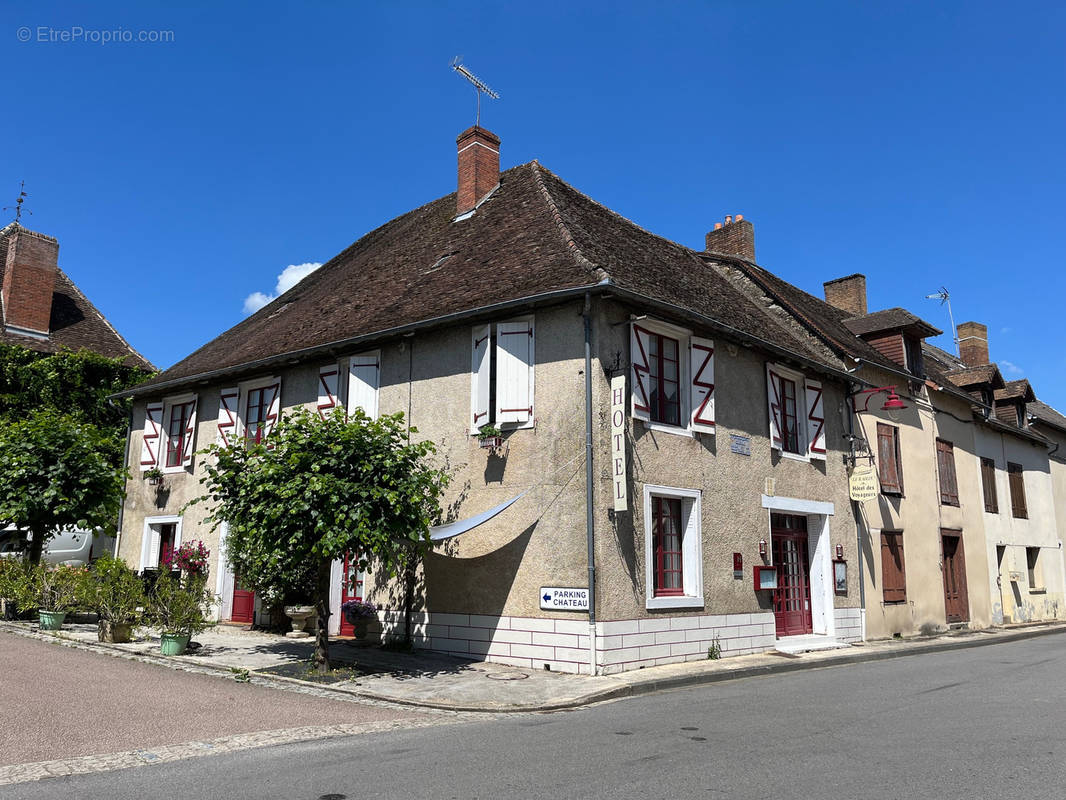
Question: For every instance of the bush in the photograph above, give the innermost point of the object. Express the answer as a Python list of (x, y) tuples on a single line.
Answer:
[(114, 591), (179, 607), (36, 587)]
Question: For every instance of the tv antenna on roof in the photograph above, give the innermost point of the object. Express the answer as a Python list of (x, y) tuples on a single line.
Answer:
[(944, 296), (479, 85), (17, 208)]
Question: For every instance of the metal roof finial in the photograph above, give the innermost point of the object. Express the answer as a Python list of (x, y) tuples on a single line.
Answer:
[(17, 208)]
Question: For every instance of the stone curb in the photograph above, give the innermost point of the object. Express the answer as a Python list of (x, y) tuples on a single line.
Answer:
[(633, 687)]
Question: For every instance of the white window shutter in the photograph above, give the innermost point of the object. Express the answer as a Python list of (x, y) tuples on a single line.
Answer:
[(153, 424), (639, 342), (815, 420), (479, 377), (363, 380), (190, 435), (151, 557), (773, 402), (701, 363), (514, 358), (327, 390), (273, 391), (227, 416)]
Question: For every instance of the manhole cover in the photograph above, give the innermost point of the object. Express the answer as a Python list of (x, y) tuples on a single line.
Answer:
[(507, 676)]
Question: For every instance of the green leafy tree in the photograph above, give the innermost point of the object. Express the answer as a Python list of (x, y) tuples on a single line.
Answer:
[(57, 472), (320, 488)]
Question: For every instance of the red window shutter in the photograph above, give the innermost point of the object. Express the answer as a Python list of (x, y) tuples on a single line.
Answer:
[(639, 345), (227, 416), (701, 363), (327, 390), (815, 420), (190, 435), (153, 420), (273, 405)]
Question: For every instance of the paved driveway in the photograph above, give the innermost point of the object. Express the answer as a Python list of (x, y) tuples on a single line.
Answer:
[(59, 702)]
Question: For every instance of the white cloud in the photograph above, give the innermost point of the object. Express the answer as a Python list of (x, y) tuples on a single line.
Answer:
[(1011, 369), (289, 277)]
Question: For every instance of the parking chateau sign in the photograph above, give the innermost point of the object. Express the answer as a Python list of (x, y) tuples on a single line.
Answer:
[(618, 442)]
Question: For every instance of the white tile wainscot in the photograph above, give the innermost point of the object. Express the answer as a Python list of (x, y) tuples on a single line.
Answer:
[(848, 623)]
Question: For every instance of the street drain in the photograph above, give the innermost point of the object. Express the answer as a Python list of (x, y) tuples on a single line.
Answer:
[(507, 676), (333, 797), (690, 729)]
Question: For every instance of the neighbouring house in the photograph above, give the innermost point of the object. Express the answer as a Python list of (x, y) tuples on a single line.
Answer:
[(677, 441), (1023, 538)]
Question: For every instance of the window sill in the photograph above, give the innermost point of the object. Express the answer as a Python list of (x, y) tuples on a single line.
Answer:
[(675, 601), (1020, 516), (795, 456), (675, 430), (889, 493), (1038, 590), (894, 603), (174, 470), (944, 502)]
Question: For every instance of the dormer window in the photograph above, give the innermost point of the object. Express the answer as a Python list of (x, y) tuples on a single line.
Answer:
[(912, 349), (1021, 414)]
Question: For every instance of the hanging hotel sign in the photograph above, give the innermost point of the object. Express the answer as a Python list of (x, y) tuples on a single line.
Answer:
[(862, 483), (618, 443)]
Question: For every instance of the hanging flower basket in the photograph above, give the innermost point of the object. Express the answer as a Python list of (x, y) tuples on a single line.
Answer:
[(491, 442), (154, 476)]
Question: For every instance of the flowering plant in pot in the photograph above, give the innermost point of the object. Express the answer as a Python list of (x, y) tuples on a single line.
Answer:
[(116, 593), (490, 436), (359, 614), (179, 608), (190, 558)]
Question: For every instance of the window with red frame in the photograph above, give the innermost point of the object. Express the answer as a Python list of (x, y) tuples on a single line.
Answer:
[(255, 415), (664, 378), (167, 533), (790, 438), (176, 433), (669, 576)]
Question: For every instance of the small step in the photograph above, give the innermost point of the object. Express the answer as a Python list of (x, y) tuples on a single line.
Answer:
[(794, 645)]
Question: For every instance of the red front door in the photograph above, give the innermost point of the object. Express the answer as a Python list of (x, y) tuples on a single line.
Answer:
[(351, 589), (792, 598), (243, 604)]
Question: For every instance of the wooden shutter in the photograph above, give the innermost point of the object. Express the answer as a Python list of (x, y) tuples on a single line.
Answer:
[(327, 390), (153, 424), (888, 459), (893, 570), (701, 394), (1017, 491), (190, 434), (773, 401), (945, 460), (227, 415), (639, 343), (514, 359), (273, 394), (480, 375), (363, 379), (988, 483), (815, 420)]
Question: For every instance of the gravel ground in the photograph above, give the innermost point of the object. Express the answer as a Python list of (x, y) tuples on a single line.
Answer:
[(58, 702)]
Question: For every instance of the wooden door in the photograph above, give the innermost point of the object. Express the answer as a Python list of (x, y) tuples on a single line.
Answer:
[(243, 604), (351, 589), (956, 600), (792, 598)]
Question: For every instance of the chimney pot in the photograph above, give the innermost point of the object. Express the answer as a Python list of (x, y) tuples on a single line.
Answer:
[(847, 294), (973, 343), (30, 266), (739, 217), (728, 219), (717, 226), (479, 167)]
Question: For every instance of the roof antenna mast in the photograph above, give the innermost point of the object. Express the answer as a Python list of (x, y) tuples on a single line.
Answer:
[(479, 85), (17, 208), (945, 297)]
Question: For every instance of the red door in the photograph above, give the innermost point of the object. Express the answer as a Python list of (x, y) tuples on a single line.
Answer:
[(351, 589), (792, 598), (243, 604), (956, 600)]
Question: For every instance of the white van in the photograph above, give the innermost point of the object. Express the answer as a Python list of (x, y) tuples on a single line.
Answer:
[(66, 547)]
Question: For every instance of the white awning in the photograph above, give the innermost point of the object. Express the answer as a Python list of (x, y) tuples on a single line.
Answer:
[(440, 532)]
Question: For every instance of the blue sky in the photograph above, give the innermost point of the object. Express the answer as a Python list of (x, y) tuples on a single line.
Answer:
[(918, 143)]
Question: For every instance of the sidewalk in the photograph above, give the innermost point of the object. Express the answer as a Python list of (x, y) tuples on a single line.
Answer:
[(443, 682)]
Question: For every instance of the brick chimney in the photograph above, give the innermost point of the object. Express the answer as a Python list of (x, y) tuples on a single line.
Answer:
[(30, 261), (734, 237), (479, 167), (973, 344), (847, 294)]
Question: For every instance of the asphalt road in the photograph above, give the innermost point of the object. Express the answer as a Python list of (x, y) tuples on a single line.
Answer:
[(986, 722), (57, 702)]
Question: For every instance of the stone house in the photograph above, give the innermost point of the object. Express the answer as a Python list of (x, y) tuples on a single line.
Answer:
[(669, 437)]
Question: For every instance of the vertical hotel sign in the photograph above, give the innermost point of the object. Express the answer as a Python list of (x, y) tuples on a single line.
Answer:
[(618, 442)]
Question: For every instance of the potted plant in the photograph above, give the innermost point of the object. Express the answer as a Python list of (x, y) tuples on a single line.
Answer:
[(179, 608), (154, 476), (53, 591), (116, 593), (359, 613), (489, 436), (190, 558)]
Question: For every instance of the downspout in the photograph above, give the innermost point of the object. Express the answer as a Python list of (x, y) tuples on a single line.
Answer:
[(857, 512), (590, 528), (125, 465)]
